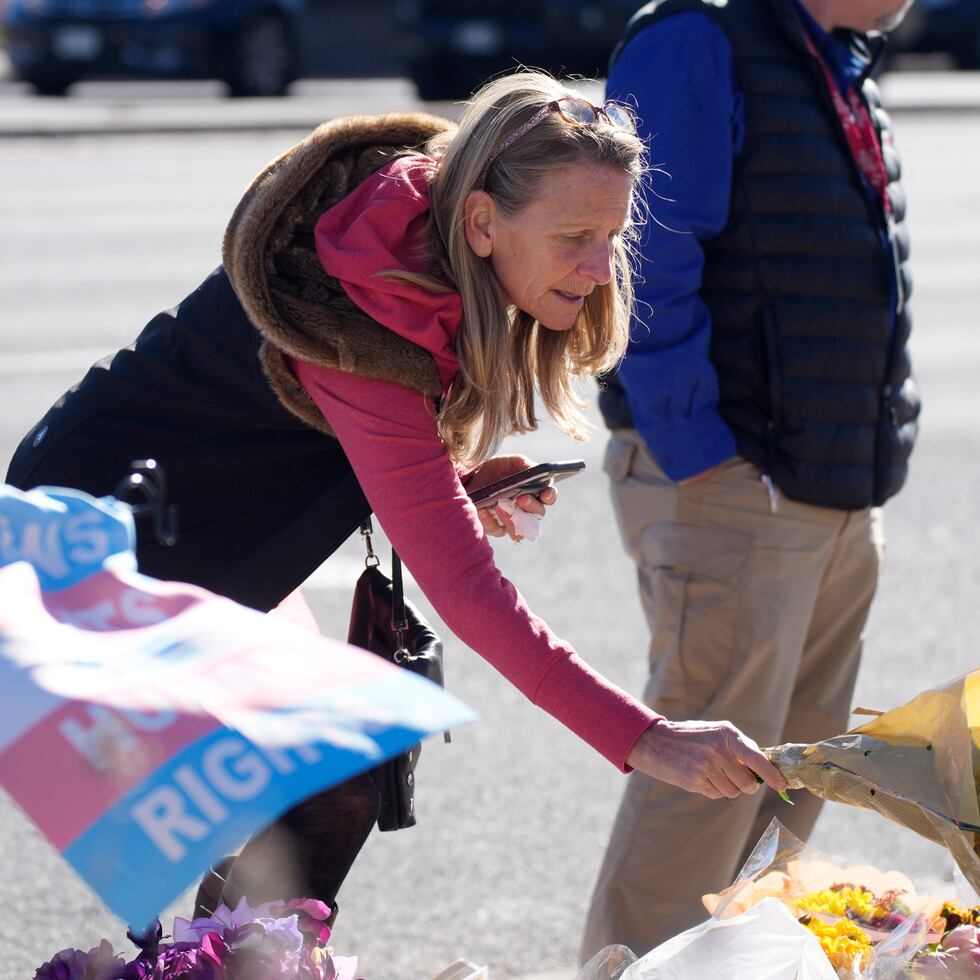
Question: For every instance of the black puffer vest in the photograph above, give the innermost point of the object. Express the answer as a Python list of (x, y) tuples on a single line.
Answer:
[(815, 380)]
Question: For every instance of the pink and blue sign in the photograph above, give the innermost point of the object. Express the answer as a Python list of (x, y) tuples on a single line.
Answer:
[(147, 727)]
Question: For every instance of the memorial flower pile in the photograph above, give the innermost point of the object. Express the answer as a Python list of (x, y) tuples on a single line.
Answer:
[(848, 920), (955, 957), (866, 936), (869, 923), (276, 941)]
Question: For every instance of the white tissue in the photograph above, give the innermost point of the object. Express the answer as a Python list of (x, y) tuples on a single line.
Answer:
[(527, 525)]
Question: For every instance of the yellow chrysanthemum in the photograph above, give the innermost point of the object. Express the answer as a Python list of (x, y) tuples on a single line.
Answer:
[(855, 903), (966, 916), (847, 945)]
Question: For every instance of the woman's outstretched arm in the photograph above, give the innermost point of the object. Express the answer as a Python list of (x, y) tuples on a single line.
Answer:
[(390, 437)]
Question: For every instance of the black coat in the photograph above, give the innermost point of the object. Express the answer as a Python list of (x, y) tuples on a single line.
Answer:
[(262, 497), (264, 491)]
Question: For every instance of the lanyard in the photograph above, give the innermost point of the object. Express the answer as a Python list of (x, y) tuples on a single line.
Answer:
[(862, 137)]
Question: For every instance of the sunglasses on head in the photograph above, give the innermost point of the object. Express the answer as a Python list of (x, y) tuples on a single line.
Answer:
[(575, 112)]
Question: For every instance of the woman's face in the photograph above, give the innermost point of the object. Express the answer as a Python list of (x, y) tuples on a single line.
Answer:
[(551, 255)]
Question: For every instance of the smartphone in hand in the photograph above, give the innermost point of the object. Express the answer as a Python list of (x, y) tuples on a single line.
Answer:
[(532, 480)]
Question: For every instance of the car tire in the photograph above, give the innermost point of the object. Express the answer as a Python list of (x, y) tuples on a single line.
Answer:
[(972, 59), (53, 85), (263, 59), (434, 81), (440, 81)]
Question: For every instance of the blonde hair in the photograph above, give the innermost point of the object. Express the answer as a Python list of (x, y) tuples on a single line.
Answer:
[(504, 356)]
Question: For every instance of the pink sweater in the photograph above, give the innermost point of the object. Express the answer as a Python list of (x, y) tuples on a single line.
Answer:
[(389, 434)]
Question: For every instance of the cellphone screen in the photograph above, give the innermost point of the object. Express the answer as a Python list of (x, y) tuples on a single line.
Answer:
[(532, 480)]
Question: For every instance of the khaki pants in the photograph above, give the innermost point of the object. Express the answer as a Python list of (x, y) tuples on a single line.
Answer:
[(756, 617)]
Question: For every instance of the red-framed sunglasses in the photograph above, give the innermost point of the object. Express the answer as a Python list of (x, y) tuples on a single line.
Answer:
[(575, 112)]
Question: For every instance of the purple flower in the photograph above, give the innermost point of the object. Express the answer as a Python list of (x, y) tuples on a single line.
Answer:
[(312, 916), (318, 964), (66, 964), (285, 934), (139, 969), (309, 967), (99, 963), (263, 949), (957, 958), (179, 962), (276, 941), (221, 920)]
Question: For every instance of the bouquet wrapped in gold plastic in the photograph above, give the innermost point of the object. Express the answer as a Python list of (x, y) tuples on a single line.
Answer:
[(917, 765)]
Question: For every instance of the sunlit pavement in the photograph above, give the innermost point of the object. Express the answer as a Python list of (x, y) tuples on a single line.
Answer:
[(97, 234)]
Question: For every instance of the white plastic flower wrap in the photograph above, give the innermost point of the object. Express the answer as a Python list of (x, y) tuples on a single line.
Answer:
[(610, 963), (870, 924), (766, 941)]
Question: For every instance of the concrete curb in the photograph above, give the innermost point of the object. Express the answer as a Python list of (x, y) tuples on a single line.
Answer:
[(145, 108), (34, 118), (930, 93)]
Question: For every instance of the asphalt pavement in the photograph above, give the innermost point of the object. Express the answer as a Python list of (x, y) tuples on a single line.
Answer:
[(98, 233)]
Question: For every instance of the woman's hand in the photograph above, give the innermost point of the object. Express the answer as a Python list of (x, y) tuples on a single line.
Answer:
[(709, 757), (496, 469)]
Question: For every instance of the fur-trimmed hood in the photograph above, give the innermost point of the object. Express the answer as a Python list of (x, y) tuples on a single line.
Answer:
[(271, 261)]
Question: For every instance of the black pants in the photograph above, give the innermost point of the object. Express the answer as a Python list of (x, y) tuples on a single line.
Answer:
[(262, 499), (306, 853)]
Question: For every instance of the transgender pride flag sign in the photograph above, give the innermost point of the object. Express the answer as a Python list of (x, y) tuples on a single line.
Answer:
[(149, 727)]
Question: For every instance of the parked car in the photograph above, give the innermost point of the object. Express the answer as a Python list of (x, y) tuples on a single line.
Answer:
[(948, 26), (250, 44), (450, 47)]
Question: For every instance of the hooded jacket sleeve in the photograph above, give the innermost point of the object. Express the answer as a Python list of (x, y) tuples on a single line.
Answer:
[(389, 435)]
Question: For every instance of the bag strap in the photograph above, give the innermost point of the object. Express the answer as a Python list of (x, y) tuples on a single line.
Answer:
[(367, 529), (399, 618)]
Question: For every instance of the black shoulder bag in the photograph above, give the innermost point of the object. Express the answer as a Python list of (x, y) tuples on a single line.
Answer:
[(384, 622)]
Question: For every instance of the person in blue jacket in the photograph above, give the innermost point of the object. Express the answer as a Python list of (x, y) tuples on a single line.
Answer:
[(764, 411)]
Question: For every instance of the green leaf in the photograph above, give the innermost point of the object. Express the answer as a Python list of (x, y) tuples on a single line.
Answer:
[(783, 795)]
